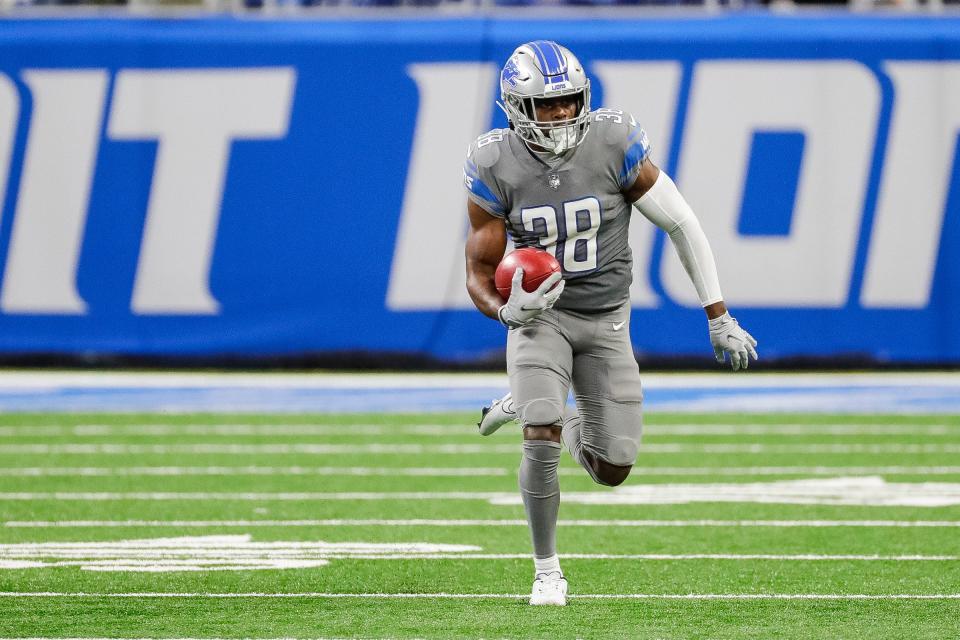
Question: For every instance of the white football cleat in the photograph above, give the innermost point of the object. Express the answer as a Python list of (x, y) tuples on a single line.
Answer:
[(499, 413), (549, 589)]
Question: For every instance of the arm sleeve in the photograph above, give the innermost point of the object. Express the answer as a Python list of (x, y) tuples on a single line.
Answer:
[(663, 205)]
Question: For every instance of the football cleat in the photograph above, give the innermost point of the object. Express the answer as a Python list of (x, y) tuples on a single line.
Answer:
[(499, 413), (549, 589)]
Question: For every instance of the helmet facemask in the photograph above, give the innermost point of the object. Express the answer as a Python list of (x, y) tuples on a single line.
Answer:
[(557, 136)]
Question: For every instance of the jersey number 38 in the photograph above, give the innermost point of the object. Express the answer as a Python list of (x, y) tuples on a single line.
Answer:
[(570, 235)]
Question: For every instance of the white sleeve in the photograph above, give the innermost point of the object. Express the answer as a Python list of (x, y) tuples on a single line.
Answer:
[(663, 205)]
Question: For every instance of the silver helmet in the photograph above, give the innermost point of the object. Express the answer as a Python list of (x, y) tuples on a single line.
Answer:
[(543, 69)]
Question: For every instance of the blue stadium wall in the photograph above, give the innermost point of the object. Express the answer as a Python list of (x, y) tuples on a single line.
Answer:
[(204, 187)]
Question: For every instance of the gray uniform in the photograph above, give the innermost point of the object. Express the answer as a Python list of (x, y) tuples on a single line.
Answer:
[(573, 207)]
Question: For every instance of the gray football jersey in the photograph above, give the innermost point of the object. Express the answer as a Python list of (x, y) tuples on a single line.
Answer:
[(571, 205)]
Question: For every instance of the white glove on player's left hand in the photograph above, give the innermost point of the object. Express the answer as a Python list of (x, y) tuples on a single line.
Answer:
[(727, 336)]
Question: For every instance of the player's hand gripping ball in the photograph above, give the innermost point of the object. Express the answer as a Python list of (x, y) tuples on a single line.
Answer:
[(537, 265)]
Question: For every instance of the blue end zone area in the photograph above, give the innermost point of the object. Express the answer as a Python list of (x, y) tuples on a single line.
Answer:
[(328, 393)]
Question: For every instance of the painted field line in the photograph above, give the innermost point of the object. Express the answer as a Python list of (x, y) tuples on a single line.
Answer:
[(678, 556), (283, 496), (262, 448), (169, 429), (836, 491), (117, 448), (321, 429), (357, 522), (505, 596), (777, 471), (891, 447), (261, 471), (75, 554), (253, 470), (799, 429)]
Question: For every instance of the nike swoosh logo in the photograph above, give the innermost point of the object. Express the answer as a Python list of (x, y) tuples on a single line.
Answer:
[(618, 325)]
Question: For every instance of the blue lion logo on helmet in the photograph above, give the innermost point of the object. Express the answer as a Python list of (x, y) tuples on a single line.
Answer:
[(510, 72)]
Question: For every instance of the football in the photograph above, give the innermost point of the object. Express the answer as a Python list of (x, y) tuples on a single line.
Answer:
[(537, 266)]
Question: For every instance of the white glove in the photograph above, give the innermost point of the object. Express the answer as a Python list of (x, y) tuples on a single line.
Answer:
[(727, 336), (524, 306)]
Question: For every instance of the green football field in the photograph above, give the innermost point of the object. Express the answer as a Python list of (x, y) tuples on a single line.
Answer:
[(409, 526)]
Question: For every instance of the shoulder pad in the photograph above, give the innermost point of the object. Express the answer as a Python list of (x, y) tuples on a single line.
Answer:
[(613, 125), (486, 149)]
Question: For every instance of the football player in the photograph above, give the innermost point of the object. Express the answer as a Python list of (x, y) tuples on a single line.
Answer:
[(564, 178)]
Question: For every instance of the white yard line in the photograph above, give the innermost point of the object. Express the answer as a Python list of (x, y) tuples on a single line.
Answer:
[(325, 429), (260, 471), (168, 429), (279, 448), (892, 447), (242, 553), (362, 522), (799, 429), (509, 596), (679, 556), (254, 470), (84, 556), (834, 491), (241, 496), (283, 496), (776, 471)]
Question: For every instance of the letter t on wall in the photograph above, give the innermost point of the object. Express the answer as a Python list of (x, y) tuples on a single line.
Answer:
[(194, 114)]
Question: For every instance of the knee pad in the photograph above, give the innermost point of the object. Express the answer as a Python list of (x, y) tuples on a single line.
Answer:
[(540, 412), (621, 452)]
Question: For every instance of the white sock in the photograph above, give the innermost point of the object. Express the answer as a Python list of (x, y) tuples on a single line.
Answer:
[(546, 565)]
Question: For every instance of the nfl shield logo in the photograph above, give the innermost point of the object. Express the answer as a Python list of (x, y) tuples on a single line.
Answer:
[(554, 181)]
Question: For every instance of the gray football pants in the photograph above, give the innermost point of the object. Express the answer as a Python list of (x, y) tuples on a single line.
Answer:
[(592, 354)]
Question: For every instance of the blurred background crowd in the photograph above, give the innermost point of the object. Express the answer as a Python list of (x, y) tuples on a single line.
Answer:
[(456, 6)]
